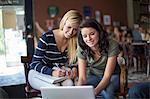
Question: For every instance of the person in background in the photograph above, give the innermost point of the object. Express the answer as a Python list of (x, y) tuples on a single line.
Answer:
[(118, 34), (39, 28), (118, 37), (97, 59), (143, 32), (137, 37), (138, 51), (128, 48), (140, 91), (109, 30), (49, 24), (148, 34), (56, 48)]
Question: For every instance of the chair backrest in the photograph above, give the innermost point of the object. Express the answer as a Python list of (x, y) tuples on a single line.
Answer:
[(123, 81), (26, 60)]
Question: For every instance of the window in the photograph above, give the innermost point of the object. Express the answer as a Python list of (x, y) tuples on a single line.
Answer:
[(12, 42)]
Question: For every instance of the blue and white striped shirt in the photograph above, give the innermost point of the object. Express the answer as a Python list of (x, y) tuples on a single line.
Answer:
[(47, 54)]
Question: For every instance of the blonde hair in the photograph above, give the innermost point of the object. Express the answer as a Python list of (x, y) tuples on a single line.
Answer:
[(72, 16), (72, 46)]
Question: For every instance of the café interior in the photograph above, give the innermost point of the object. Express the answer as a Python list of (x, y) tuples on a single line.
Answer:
[(21, 22)]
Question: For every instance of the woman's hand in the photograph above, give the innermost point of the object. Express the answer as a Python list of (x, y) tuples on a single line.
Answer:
[(72, 74), (96, 91), (59, 73)]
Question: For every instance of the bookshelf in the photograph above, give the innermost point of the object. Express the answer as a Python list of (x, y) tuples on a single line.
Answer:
[(142, 12)]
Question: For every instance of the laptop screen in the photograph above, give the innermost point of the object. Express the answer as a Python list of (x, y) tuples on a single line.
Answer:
[(68, 92)]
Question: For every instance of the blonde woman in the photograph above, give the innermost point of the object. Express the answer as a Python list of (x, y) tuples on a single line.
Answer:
[(56, 48)]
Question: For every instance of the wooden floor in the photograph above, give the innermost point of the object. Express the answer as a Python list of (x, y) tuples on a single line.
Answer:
[(136, 77)]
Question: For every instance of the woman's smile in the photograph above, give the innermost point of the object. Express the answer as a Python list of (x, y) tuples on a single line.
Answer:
[(90, 36)]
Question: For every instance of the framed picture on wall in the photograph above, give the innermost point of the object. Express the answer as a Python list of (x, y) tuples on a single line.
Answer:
[(87, 11), (107, 19), (53, 11), (98, 16)]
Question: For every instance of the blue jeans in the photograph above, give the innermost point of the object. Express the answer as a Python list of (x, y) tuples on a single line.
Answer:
[(109, 92), (140, 91)]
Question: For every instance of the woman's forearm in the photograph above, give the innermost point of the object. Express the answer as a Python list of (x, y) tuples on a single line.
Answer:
[(111, 63), (102, 85), (81, 81)]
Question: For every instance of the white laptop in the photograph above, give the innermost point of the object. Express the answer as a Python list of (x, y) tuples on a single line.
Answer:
[(68, 92)]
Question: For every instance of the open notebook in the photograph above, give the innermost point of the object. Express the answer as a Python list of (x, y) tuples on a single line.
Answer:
[(50, 79), (68, 92)]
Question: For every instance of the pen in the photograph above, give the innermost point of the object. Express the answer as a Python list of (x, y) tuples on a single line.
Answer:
[(57, 65), (64, 69)]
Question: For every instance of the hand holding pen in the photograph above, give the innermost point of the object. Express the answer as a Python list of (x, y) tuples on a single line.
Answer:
[(58, 72)]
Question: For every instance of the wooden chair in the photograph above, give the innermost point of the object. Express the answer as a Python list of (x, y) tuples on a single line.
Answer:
[(26, 60), (123, 82), (30, 92)]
